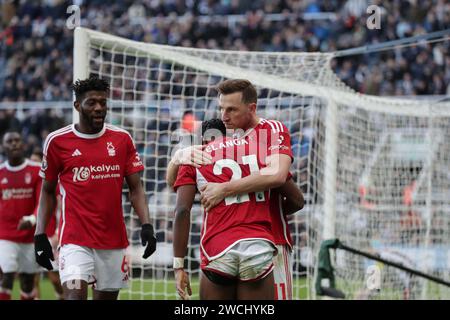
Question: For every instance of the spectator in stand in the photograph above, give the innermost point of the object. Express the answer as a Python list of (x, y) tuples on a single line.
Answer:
[(38, 46)]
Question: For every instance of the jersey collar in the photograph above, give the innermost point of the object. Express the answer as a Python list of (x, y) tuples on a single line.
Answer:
[(16, 168), (88, 136)]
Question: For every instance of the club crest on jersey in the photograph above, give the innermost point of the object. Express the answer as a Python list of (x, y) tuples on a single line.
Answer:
[(4, 180), (111, 149), (27, 178)]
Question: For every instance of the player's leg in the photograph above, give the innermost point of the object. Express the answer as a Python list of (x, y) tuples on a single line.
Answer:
[(210, 290), (105, 295), (6, 285), (111, 270), (9, 264), (261, 289), (27, 291), (75, 289), (37, 285), (282, 273), (76, 268), (53, 276), (28, 268), (255, 270)]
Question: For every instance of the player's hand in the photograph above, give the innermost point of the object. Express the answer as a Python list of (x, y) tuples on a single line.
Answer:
[(43, 251), (148, 238), (211, 195), (183, 284), (27, 222), (24, 225), (192, 156)]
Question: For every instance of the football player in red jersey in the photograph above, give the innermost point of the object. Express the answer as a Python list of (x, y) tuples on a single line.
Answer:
[(52, 233), (284, 200), (89, 161), (237, 244), (19, 185), (238, 103)]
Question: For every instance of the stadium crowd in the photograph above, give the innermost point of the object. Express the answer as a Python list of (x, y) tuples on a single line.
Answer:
[(38, 46)]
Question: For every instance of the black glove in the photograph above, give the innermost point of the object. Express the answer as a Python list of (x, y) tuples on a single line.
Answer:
[(43, 251), (148, 238)]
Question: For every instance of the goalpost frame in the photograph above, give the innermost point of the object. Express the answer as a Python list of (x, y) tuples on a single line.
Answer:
[(334, 98), (80, 60)]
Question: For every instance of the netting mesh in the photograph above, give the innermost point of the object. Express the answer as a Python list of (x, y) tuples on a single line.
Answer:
[(387, 203), (383, 148)]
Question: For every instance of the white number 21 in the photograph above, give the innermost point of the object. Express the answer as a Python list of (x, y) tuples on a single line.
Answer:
[(252, 162)]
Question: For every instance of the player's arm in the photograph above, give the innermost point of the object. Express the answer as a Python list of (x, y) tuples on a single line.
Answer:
[(182, 223), (47, 203), (139, 203), (293, 200), (28, 222), (193, 156), (271, 176)]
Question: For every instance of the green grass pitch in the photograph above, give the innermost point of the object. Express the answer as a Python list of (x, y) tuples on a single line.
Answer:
[(148, 289)]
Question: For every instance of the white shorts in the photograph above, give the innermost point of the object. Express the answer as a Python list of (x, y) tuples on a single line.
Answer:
[(282, 273), (247, 260), (107, 270), (17, 257)]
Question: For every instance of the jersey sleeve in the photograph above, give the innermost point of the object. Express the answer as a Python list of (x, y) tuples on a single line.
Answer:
[(280, 140), (134, 162), (51, 163), (186, 176)]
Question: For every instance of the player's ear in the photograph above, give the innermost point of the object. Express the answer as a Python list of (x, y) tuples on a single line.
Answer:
[(252, 107), (76, 105)]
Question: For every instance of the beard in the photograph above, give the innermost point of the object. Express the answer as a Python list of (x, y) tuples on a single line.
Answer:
[(93, 121)]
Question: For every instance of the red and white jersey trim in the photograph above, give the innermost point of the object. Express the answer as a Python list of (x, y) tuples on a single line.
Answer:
[(63, 211), (276, 126), (54, 134)]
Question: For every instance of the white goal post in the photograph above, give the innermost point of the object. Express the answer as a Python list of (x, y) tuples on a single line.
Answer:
[(374, 170)]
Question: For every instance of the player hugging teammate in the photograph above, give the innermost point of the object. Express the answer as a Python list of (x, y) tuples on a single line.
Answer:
[(247, 191)]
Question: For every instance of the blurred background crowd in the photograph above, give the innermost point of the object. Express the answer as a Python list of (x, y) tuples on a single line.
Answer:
[(36, 47), (36, 58)]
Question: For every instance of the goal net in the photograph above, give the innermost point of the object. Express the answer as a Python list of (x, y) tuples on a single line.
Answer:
[(374, 171)]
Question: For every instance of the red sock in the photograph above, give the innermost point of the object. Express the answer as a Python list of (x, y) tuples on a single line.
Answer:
[(5, 295)]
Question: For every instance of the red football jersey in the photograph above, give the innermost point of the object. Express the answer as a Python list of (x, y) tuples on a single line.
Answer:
[(245, 216), (20, 187), (280, 226), (278, 141), (91, 170)]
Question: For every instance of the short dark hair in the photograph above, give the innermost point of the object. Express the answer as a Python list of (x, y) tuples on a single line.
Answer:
[(80, 87), (249, 94), (213, 124), (216, 124), (11, 131)]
